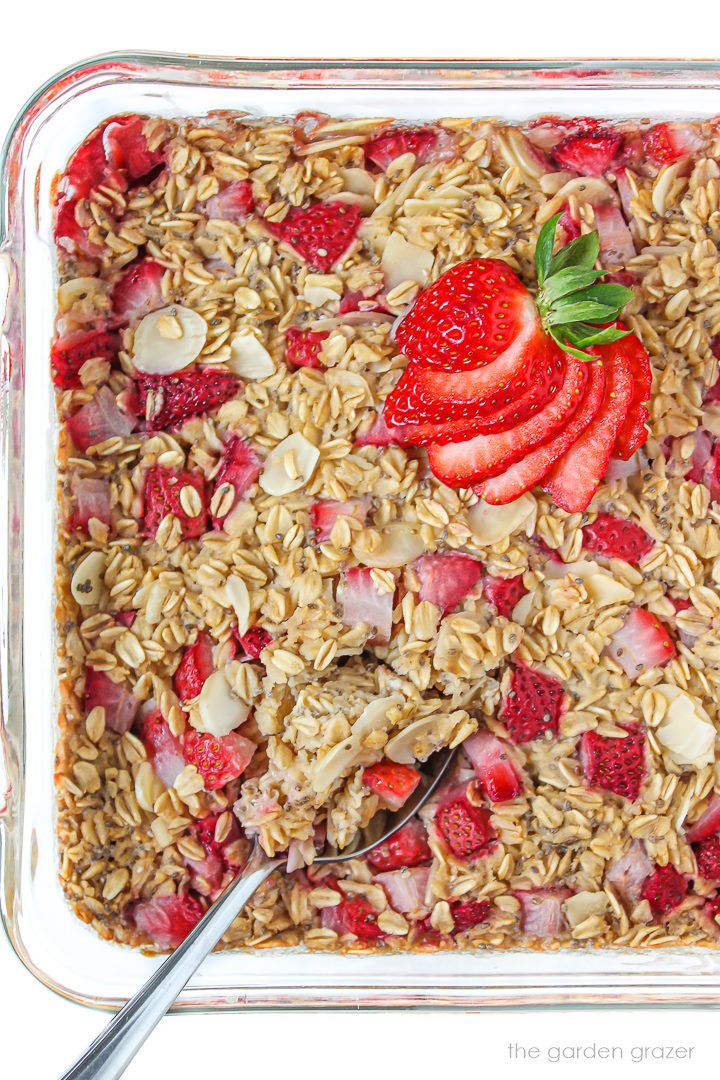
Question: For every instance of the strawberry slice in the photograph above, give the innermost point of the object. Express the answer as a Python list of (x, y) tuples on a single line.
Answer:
[(302, 347), (240, 469), (218, 759), (465, 463), (708, 822), (642, 642), (254, 641), (493, 766), (590, 153), (163, 749), (446, 579), (167, 920), (465, 828), (707, 857), (665, 143), (616, 538), (665, 889), (195, 667), (407, 847), (99, 420), (503, 593), (186, 394), (320, 234), (532, 706), (324, 514), (616, 765), (92, 500), (163, 487), (137, 292), (232, 203), (633, 433), (572, 482), (392, 783), (70, 352), (530, 470), (126, 148), (391, 144), (119, 703)]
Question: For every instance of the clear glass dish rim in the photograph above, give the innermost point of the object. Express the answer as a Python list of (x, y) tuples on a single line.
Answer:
[(276, 74)]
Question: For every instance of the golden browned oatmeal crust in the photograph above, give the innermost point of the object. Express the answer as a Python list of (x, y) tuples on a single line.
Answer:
[(123, 835)]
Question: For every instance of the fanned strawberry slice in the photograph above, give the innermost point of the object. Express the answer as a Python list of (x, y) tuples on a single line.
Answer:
[(589, 152), (633, 433), (616, 538), (530, 470), (303, 347), (138, 291), (493, 765), (573, 481), (392, 783), (70, 352), (163, 488), (446, 579), (533, 705), (617, 765), (179, 397), (503, 593), (465, 463), (321, 233)]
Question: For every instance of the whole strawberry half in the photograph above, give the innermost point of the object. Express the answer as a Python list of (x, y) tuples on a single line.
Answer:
[(617, 765), (70, 352), (163, 494), (179, 397), (616, 538), (321, 233), (532, 706)]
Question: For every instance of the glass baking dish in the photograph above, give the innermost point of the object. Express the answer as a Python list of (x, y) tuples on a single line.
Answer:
[(47, 936)]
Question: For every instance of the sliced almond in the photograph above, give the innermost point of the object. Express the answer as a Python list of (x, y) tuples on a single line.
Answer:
[(350, 752), (321, 289), (157, 353), (400, 543), (403, 261), (237, 594), (521, 611), (491, 524), (584, 904), (78, 289), (359, 181), (220, 711), (289, 466), (248, 356), (603, 589), (687, 733), (413, 742), (87, 582)]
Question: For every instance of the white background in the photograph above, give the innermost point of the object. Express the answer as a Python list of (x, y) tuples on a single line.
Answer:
[(39, 1033)]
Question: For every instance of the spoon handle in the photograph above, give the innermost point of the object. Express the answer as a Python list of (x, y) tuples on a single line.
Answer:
[(115, 1047)]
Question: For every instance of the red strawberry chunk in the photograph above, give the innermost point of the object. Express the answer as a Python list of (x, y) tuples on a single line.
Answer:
[(392, 144), (664, 889), (616, 242), (407, 847), (446, 579), (642, 642), (405, 888), (218, 759), (88, 169), (465, 828), (99, 420), (302, 347), (570, 226), (503, 593), (324, 514), (589, 152), (665, 143), (119, 703), (138, 292), (356, 916), (164, 750), (628, 873), (70, 352), (320, 234), (468, 913), (616, 538), (206, 873), (162, 496), (254, 641), (532, 706), (167, 920), (633, 433), (362, 602), (179, 397), (92, 495), (195, 667), (204, 831), (232, 203), (127, 148), (493, 766), (392, 783), (240, 469), (616, 765), (707, 856), (70, 235), (541, 911), (707, 824)]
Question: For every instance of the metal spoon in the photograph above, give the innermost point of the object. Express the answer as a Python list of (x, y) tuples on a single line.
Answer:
[(112, 1051)]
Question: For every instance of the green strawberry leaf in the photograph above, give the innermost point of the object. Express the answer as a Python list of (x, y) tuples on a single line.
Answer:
[(544, 248), (581, 253), (568, 281), (581, 310)]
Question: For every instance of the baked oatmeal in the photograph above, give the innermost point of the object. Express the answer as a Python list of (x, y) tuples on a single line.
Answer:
[(344, 480)]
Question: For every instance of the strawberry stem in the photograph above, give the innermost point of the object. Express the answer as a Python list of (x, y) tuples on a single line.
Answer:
[(575, 309)]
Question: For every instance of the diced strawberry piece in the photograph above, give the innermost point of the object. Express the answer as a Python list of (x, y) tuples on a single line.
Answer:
[(380, 433), (701, 460), (126, 148), (356, 916), (254, 641), (92, 495), (100, 419), (206, 873), (616, 765), (407, 847), (320, 234), (707, 857), (70, 235), (625, 192), (204, 831), (325, 513), (446, 579), (405, 888), (195, 667), (616, 538), (664, 889), (232, 203), (357, 301), (163, 488), (541, 913), (218, 759), (468, 913), (572, 482), (665, 143), (119, 703), (392, 783), (465, 828), (616, 242), (708, 824), (503, 593), (70, 352), (493, 766), (545, 550), (364, 603), (628, 874), (179, 397), (240, 468), (590, 153), (167, 920), (642, 642), (535, 466), (164, 750), (302, 347), (392, 144), (138, 291), (620, 470), (532, 706), (711, 912), (465, 463), (125, 618), (570, 226), (88, 169)]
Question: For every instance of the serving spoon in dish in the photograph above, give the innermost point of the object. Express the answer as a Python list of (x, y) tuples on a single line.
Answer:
[(112, 1051)]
